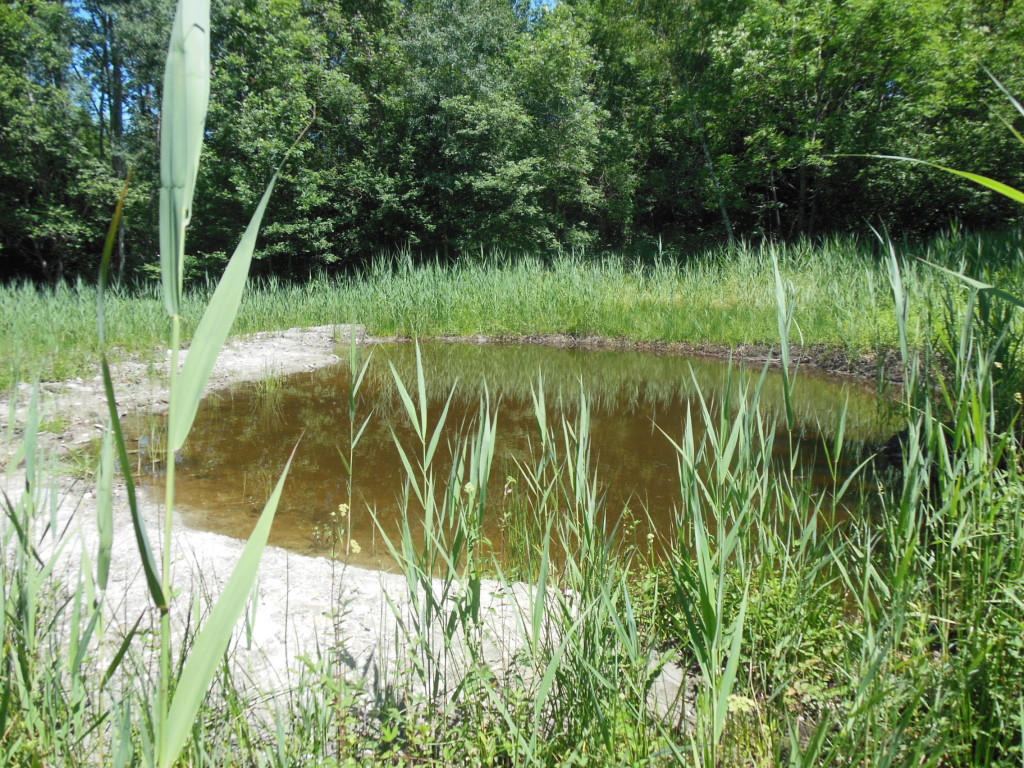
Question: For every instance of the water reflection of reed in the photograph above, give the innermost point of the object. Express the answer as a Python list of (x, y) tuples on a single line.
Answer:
[(623, 381), (242, 434)]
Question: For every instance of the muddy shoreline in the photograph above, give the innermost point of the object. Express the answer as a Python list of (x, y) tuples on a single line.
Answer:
[(885, 366)]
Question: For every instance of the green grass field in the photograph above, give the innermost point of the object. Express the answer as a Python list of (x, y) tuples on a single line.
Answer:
[(841, 289)]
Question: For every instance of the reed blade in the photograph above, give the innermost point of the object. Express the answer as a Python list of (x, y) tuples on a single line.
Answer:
[(149, 566), (985, 181), (207, 653), (105, 511), (213, 331), (186, 96)]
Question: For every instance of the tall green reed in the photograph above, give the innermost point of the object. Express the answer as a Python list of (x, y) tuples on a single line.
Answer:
[(840, 286), (183, 116), (439, 554)]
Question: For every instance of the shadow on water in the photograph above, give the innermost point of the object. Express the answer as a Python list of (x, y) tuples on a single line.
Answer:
[(242, 436)]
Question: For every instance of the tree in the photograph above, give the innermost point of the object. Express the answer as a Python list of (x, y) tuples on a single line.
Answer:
[(54, 193), (579, 188), (813, 80), (121, 51), (269, 80)]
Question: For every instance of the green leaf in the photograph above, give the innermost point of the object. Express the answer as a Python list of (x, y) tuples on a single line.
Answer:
[(121, 651), (186, 96), (728, 680), (146, 552), (1005, 296), (1013, 100), (108, 250), (428, 457), (410, 408), (207, 652), (8, 683), (213, 331), (784, 311), (105, 510), (984, 181)]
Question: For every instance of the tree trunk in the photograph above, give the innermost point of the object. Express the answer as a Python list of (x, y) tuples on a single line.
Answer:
[(801, 208), (714, 180)]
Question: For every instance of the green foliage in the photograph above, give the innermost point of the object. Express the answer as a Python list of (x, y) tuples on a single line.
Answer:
[(877, 625), (447, 128), (54, 193), (882, 622), (714, 297)]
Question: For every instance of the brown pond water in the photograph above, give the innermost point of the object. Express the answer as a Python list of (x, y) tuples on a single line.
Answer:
[(242, 437)]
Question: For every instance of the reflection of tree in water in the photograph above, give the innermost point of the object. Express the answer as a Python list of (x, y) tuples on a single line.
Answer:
[(617, 380)]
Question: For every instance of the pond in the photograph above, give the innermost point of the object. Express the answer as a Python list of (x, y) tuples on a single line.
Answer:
[(242, 437)]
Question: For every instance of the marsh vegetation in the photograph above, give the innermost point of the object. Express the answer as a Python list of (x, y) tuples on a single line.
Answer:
[(864, 618)]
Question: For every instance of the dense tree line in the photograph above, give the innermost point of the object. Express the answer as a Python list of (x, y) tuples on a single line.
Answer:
[(451, 126)]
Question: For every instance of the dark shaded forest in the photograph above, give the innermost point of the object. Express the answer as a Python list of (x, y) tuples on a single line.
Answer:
[(455, 127)]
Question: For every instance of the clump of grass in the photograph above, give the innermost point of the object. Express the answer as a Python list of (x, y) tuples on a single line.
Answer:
[(793, 637)]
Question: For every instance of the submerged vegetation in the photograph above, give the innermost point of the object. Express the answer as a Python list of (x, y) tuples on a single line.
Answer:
[(766, 635)]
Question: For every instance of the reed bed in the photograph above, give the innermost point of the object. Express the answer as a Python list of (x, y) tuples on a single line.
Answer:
[(891, 640), (720, 297), (763, 635)]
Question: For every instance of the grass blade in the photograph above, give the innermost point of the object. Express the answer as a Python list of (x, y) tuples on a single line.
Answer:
[(1010, 96), (5, 699), (980, 286), (728, 680), (985, 181), (436, 438), (108, 250), (145, 551), (899, 296), (213, 331), (207, 652), (785, 318), (121, 651), (410, 408), (105, 511), (186, 96)]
